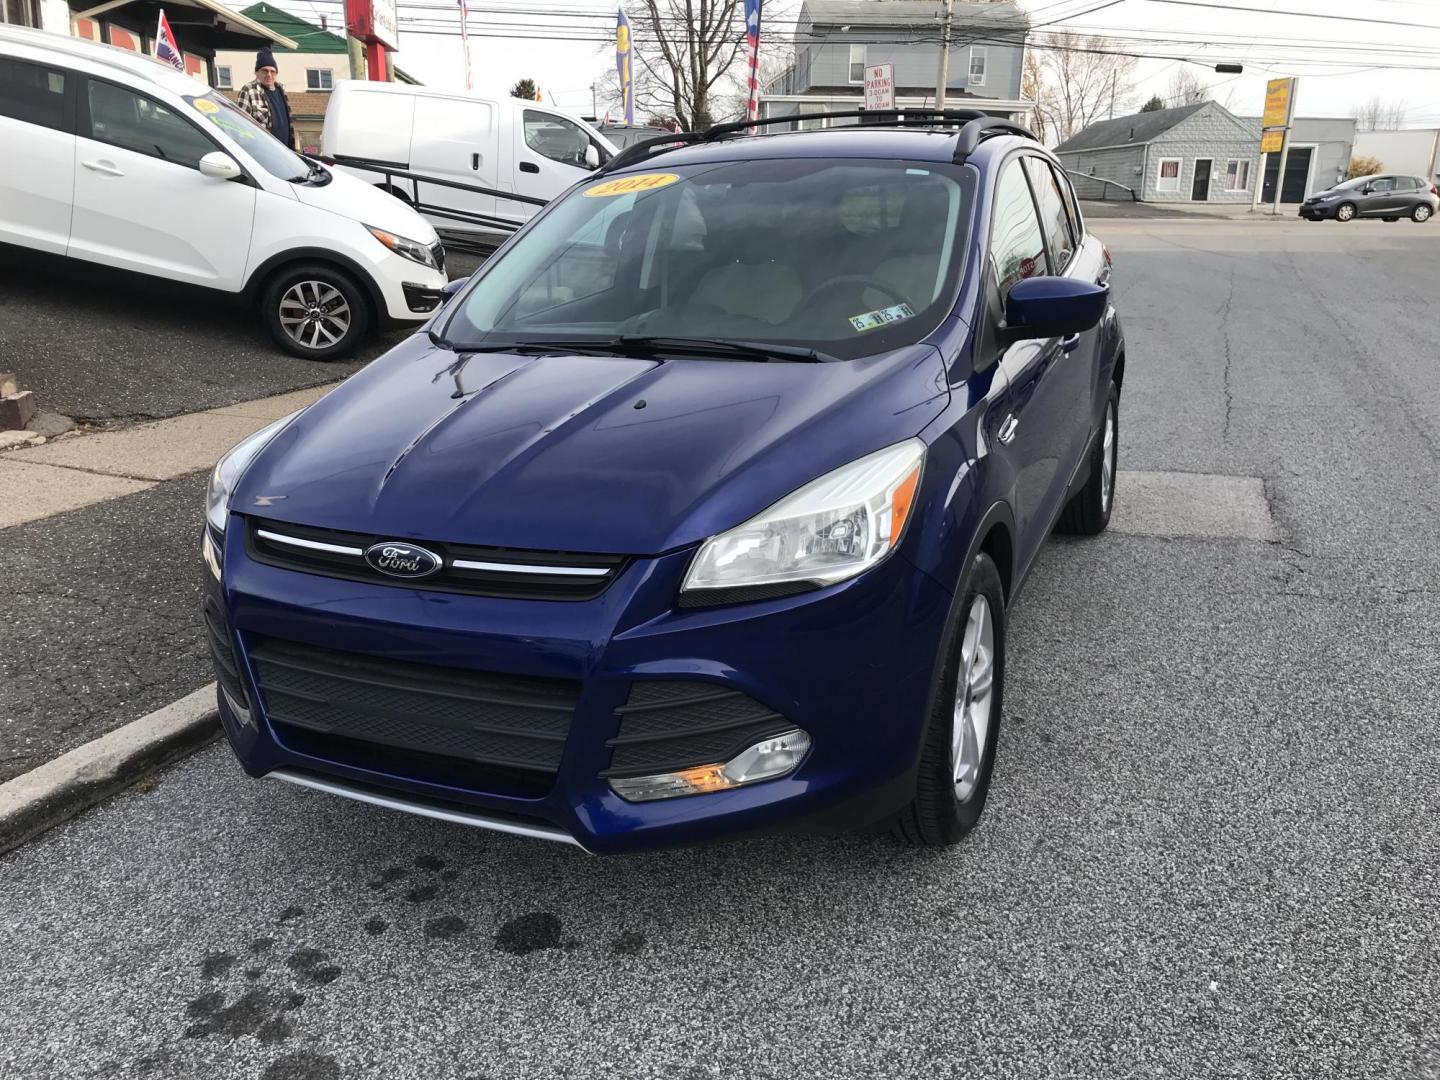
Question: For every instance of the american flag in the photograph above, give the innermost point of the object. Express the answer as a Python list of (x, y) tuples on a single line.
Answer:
[(465, 42), (752, 38), (165, 47)]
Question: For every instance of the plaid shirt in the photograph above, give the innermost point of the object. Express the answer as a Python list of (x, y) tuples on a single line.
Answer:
[(252, 99)]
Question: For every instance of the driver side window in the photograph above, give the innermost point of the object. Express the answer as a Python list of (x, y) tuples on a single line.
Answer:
[(1385, 183), (556, 138), (137, 123), (1017, 245)]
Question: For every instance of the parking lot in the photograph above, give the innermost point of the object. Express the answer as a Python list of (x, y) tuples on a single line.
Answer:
[(1210, 849)]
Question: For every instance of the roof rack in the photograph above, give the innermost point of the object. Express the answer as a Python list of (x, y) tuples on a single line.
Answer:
[(976, 125)]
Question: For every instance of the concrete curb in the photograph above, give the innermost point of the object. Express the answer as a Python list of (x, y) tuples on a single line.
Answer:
[(58, 790)]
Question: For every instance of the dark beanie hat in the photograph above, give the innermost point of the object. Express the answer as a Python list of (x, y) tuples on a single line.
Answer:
[(265, 58)]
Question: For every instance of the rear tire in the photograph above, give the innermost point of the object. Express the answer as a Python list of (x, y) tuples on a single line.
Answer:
[(1088, 512), (953, 778), (1421, 214), (1345, 212), (315, 311)]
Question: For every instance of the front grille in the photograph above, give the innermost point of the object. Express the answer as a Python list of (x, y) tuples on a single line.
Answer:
[(665, 726), (479, 571), (506, 732), (227, 669)]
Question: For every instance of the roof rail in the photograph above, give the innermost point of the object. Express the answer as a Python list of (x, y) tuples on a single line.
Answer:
[(976, 125)]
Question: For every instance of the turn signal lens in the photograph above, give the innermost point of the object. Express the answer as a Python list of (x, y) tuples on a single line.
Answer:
[(766, 760)]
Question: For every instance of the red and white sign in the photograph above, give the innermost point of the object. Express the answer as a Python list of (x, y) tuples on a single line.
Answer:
[(880, 87)]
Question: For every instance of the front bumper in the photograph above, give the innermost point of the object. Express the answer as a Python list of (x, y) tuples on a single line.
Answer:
[(407, 288), (851, 665), (1317, 211)]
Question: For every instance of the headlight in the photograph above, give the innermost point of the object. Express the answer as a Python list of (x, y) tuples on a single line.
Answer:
[(831, 529), (229, 469), (407, 249)]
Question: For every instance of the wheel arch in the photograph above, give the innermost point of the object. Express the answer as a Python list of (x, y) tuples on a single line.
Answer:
[(263, 273), (995, 537)]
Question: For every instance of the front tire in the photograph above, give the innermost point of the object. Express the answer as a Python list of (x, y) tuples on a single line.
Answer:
[(315, 311), (1421, 214), (1088, 512), (957, 757), (1345, 212)]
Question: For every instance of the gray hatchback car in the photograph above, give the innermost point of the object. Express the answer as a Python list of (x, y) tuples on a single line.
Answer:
[(1382, 196)]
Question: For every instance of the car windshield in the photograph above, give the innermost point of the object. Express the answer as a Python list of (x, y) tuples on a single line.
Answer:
[(846, 257), (269, 152), (1358, 182)]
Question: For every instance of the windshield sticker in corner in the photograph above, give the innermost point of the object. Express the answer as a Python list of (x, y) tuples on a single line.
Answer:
[(209, 108), (624, 185), (871, 319)]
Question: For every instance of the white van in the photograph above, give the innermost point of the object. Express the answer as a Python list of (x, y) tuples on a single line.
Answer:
[(116, 158), (509, 146)]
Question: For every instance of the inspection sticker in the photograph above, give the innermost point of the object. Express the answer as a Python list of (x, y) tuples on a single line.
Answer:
[(626, 184), (872, 319), (209, 108)]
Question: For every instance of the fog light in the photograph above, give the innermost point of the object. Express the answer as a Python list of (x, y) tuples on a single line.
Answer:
[(766, 760)]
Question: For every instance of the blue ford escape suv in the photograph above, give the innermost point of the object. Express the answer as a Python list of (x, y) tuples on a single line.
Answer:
[(698, 509)]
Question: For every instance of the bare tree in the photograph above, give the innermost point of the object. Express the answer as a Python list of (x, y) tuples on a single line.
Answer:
[(1379, 114), (1186, 88), (1081, 80), (1034, 88), (682, 49)]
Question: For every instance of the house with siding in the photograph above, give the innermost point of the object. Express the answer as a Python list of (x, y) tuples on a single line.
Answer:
[(836, 40), (1192, 153), (1203, 153)]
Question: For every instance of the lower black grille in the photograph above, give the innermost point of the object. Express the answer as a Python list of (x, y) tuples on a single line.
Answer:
[(665, 726), (480, 571), (227, 669), (429, 721)]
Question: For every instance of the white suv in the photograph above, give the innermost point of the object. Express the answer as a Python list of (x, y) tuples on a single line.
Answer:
[(115, 158)]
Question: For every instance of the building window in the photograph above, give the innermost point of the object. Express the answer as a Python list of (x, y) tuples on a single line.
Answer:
[(319, 79), (1169, 179), (857, 64), (222, 78), (804, 109), (1237, 175), (977, 65), (21, 13)]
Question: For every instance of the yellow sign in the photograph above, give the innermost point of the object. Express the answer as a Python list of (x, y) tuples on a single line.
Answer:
[(1279, 97), (1272, 142), (209, 108), (626, 184)]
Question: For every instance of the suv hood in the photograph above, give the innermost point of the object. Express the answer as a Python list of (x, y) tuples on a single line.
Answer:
[(602, 454), (353, 198)]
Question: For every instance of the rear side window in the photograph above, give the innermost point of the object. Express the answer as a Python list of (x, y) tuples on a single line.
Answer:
[(33, 94), (1405, 183), (1054, 217), (137, 123), (1017, 246)]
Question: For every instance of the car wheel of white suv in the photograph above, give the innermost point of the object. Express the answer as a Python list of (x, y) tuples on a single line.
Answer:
[(315, 311)]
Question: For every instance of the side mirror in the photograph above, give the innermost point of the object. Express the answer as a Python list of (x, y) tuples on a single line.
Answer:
[(1046, 307), (219, 166), (592, 156), (453, 287)]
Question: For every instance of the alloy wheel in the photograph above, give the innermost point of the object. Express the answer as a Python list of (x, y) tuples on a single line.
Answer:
[(314, 314), (1345, 213), (970, 728), (1107, 460), (1422, 213)]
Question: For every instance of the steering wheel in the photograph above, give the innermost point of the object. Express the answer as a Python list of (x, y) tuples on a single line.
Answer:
[(851, 279)]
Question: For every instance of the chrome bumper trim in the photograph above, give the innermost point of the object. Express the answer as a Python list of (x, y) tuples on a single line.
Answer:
[(458, 817)]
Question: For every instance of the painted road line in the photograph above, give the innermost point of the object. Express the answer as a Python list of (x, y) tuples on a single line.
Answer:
[(58, 790)]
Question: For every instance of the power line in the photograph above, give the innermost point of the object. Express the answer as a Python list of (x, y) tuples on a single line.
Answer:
[(1297, 14)]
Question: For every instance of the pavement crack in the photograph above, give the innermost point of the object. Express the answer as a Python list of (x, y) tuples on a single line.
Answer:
[(1224, 319)]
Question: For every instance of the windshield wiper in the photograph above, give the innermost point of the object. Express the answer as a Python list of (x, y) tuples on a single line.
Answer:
[(719, 348)]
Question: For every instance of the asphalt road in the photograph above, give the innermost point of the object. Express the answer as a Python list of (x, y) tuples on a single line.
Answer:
[(1211, 849), (107, 347)]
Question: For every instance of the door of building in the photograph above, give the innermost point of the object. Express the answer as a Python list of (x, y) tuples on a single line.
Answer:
[(1297, 173), (1200, 189)]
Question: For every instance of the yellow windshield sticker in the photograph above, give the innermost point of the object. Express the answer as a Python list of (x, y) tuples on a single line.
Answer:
[(207, 107), (624, 185)]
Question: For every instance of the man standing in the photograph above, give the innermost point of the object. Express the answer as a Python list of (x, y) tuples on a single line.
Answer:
[(264, 99)]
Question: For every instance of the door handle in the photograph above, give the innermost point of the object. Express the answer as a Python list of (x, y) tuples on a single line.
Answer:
[(1007, 429), (475, 162), (529, 166), (1070, 344), (103, 167)]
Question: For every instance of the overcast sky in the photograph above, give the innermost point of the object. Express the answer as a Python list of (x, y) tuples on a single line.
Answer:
[(1347, 76)]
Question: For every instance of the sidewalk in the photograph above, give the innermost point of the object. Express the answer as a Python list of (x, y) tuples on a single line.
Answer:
[(80, 470)]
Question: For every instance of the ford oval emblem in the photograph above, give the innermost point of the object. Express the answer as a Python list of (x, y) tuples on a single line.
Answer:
[(402, 560)]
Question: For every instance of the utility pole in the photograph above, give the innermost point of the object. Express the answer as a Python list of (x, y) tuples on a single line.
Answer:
[(944, 75)]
